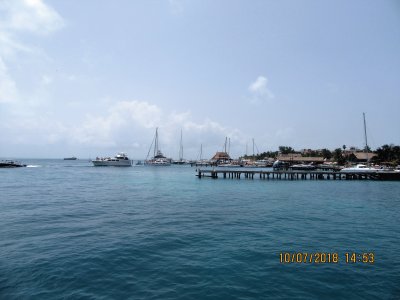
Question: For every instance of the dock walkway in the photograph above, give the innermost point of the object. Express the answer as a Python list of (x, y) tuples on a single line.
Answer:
[(296, 175)]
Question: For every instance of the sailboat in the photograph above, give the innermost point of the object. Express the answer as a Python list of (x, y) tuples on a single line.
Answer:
[(158, 158), (180, 161), (361, 168)]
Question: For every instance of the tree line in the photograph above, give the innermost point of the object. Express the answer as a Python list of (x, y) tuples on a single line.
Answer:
[(388, 154)]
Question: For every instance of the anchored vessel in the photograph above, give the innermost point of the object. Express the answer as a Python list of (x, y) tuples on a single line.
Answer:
[(11, 164), (181, 160), (120, 160), (360, 168), (158, 157), (70, 158)]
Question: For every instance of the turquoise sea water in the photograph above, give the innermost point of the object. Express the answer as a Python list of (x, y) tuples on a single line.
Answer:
[(72, 231)]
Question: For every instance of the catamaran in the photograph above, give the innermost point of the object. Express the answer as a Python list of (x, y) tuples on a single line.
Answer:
[(158, 158)]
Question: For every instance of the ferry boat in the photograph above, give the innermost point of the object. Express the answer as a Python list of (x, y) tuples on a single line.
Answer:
[(120, 160)]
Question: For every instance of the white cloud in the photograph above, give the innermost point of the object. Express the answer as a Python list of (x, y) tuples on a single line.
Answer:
[(21, 16), (126, 126), (125, 119), (144, 114), (112, 129), (260, 91), (31, 15), (9, 45)]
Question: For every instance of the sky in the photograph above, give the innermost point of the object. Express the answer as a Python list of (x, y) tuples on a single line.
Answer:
[(95, 77)]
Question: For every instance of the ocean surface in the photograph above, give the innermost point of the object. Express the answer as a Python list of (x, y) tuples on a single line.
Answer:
[(72, 231)]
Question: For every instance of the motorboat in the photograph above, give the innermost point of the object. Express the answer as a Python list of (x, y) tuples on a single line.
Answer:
[(120, 160), (229, 165), (70, 158), (303, 167), (11, 164), (359, 168), (278, 164)]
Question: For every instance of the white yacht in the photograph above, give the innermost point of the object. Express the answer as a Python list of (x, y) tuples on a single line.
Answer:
[(360, 168), (120, 160)]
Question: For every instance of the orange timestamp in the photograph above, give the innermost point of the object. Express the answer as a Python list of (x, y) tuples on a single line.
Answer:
[(326, 257)]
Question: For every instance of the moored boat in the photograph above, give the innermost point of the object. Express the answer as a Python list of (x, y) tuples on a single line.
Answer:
[(158, 158), (181, 160), (11, 164), (303, 167), (70, 158), (359, 168), (120, 160)]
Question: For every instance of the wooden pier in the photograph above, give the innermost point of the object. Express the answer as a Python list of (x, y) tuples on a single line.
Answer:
[(296, 175)]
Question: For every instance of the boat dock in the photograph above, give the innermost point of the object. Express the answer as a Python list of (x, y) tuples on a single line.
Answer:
[(295, 175)]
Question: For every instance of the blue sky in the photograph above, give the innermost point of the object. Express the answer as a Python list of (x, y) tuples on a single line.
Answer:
[(90, 78)]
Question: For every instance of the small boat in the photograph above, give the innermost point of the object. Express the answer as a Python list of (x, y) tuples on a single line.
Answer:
[(11, 164), (278, 164), (229, 165), (120, 160), (70, 158), (303, 167), (360, 168)]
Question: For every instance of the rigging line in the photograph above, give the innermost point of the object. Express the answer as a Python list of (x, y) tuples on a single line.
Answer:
[(152, 142), (200, 153), (257, 148)]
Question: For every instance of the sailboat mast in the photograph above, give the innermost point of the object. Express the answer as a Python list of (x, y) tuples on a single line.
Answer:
[(226, 138), (201, 151), (366, 140), (181, 149), (253, 148), (156, 143)]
